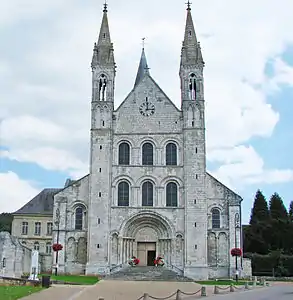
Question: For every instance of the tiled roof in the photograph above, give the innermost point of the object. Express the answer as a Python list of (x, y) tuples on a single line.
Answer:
[(42, 204)]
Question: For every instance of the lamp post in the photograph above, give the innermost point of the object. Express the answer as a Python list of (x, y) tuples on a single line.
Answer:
[(237, 226), (57, 223)]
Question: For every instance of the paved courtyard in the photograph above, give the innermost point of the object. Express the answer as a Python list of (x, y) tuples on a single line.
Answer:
[(133, 290)]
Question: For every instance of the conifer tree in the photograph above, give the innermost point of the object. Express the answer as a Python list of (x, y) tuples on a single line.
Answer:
[(257, 236), (291, 211), (280, 234), (260, 210)]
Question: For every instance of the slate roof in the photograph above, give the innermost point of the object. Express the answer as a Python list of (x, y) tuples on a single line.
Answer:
[(42, 204)]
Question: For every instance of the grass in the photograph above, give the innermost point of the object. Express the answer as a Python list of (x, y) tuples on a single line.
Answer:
[(84, 280), (222, 282), (17, 292)]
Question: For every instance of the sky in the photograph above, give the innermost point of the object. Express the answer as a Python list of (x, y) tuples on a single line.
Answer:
[(45, 87)]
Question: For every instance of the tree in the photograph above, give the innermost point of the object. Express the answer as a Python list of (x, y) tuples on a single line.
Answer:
[(278, 210), (291, 211), (260, 210), (6, 222), (280, 235), (257, 235)]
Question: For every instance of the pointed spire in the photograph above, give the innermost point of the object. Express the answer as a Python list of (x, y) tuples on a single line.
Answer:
[(191, 53), (142, 68), (103, 49)]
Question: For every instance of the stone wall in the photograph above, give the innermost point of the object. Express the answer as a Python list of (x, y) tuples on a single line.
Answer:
[(17, 257)]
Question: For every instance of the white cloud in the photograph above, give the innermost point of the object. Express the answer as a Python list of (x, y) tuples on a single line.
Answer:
[(14, 192), (47, 87), (243, 165)]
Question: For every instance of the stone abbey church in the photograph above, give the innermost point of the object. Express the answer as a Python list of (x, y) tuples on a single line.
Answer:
[(148, 192)]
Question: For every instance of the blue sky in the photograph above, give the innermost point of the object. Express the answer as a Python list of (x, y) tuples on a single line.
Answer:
[(45, 85)]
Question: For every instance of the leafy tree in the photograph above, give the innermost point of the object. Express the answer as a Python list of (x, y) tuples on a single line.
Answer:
[(6, 222)]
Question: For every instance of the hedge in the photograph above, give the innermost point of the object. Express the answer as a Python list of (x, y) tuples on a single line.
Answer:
[(273, 264)]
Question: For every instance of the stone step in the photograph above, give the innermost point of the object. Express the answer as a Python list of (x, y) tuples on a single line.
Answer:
[(147, 274)]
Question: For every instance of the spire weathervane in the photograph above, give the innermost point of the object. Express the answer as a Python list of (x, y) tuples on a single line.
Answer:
[(105, 6), (143, 42), (188, 5)]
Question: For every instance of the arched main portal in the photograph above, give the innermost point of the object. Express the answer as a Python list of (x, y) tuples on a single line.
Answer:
[(146, 235)]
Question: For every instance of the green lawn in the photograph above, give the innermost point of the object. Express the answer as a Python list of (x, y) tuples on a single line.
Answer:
[(222, 282), (84, 280), (17, 292)]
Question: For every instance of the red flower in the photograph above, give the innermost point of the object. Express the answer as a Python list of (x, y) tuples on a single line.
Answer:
[(57, 247), (136, 261), (236, 252)]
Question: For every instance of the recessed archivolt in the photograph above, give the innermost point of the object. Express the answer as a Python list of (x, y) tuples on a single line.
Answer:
[(143, 179), (160, 224), (168, 179), (123, 178), (149, 140)]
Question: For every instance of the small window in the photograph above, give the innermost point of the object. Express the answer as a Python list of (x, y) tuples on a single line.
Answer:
[(192, 123), (147, 154), (195, 224), (37, 228), (103, 123), (124, 154), (196, 150), (99, 246), (123, 194), (190, 33), (216, 218), (171, 154), (195, 247), (194, 201), (48, 248), (196, 177), (24, 228), (79, 218), (100, 170), (49, 228), (147, 194), (104, 35), (37, 246), (99, 221), (101, 147), (171, 195), (100, 194)]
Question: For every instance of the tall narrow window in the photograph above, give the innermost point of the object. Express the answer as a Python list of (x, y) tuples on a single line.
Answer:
[(124, 154), (24, 228), (123, 194), (38, 228), (192, 86), (49, 228), (102, 88), (78, 218), (147, 194), (216, 220), (37, 246), (48, 248), (171, 154), (147, 154), (171, 194)]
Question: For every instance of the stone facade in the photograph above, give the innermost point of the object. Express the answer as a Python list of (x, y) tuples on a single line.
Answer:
[(15, 259), (148, 192)]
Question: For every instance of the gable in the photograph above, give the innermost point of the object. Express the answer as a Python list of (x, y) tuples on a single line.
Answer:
[(217, 190), (129, 118)]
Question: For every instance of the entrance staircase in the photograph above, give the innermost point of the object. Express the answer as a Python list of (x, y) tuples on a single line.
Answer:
[(147, 274)]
